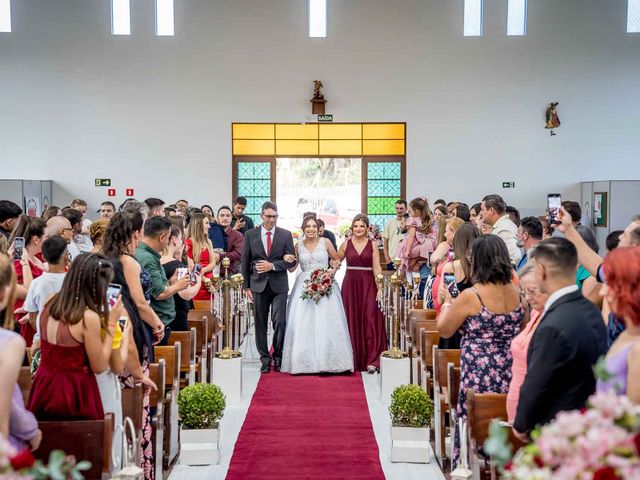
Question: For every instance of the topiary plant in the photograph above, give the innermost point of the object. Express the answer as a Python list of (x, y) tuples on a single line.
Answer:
[(410, 407), (201, 405)]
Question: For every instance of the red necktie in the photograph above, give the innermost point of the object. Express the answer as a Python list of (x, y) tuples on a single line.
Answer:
[(268, 243)]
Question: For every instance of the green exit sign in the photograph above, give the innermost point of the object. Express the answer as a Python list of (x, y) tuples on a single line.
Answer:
[(103, 182), (325, 118), (508, 184)]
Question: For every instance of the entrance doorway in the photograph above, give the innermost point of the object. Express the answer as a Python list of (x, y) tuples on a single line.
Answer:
[(329, 187)]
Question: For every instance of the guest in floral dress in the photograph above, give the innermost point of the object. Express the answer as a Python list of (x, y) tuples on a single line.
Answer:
[(488, 316)]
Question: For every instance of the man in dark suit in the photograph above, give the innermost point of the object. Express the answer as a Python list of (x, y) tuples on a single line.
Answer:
[(266, 282), (569, 340)]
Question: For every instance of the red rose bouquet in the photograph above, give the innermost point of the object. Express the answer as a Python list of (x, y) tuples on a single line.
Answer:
[(319, 284)]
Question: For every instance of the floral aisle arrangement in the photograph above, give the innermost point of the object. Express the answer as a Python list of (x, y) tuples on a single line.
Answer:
[(319, 284), (601, 442), (23, 464)]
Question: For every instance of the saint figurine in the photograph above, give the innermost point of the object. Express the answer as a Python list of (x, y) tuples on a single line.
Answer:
[(552, 116)]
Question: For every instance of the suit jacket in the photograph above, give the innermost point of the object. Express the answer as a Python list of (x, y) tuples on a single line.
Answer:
[(229, 240), (254, 251), (567, 343)]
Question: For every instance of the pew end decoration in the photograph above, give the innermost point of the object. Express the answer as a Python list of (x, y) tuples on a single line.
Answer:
[(15, 464), (411, 410), (599, 442), (200, 407)]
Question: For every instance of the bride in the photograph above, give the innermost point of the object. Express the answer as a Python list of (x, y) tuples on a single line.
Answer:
[(317, 336)]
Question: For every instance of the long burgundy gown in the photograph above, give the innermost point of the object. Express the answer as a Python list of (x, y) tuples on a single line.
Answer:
[(366, 322)]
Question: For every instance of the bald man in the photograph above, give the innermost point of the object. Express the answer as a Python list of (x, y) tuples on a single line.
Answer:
[(60, 226)]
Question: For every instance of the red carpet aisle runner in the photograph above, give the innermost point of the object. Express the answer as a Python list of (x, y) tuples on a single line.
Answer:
[(307, 427)]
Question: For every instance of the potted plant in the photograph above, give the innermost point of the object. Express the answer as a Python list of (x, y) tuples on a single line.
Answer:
[(411, 410), (200, 408)]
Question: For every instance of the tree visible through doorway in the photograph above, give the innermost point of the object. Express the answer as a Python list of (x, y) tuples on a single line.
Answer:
[(329, 187)]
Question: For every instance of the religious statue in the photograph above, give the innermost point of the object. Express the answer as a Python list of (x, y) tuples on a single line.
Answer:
[(318, 101), (317, 94), (552, 117)]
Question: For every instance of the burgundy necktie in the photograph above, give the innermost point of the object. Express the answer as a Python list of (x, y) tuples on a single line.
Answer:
[(268, 243)]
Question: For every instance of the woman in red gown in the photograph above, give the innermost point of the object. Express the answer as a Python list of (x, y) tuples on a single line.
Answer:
[(200, 250), (359, 296), (32, 230), (73, 349)]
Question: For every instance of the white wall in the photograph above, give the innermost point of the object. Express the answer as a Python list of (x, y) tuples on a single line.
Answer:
[(155, 113)]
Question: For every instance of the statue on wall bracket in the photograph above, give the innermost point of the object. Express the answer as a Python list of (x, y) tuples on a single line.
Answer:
[(551, 115), (318, 101)]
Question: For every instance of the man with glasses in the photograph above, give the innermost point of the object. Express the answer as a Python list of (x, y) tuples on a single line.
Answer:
[(60, 226), (266, 281)]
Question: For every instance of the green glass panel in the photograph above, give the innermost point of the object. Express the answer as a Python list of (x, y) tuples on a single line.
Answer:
[(383, 170), (381, 205), (381, 188), (249, 170)]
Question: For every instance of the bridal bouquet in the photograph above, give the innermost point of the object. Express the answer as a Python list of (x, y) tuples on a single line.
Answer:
[(601, 442), (320, 284)]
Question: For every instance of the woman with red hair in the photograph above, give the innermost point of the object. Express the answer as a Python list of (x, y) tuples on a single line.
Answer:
[(622, 291)]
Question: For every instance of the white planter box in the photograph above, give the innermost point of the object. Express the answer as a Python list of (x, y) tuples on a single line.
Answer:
[(199, 446), (410, 445)]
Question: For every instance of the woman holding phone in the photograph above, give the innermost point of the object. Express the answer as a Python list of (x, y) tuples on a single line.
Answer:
[(171, 261), (26, 237)]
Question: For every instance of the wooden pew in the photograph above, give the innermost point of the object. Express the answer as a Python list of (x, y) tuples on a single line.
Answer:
[(202, 305), (187, 341), (171, 446), (204, 348), (422, 319), (482, 408), (157, 375), (427, 340), (453, 390), (214, 327), (441, 358), (24, 381), (132, 400), (85, 439)]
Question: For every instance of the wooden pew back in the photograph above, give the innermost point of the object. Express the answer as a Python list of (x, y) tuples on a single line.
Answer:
[(132, 405), (24, 382), (85, 439), (453, 384), (171, 356), (187, 341), (441, 358)]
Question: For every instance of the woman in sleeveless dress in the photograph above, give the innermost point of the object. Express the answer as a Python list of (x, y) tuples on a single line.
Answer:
[(359, 296), (317, 336), (488, 316), (74, 349), (200, 250), (622, 270)]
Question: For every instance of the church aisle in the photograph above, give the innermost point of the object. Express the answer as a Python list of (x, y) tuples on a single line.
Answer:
[(307, 427)]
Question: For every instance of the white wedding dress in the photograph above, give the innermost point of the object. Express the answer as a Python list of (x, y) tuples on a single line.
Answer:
[(317, 336)]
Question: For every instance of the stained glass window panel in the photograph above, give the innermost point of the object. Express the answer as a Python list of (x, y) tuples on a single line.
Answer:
[(383, 170), (379, 220), (254, 183), (381, 188)]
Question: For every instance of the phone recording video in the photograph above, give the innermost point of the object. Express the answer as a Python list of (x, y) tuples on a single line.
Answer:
[(554, 202), (195, 273), (113, 292), (18, 248), (450, 283)]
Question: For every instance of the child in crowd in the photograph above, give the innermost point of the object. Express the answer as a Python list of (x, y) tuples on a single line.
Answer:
[(54, 251), (420, 241)]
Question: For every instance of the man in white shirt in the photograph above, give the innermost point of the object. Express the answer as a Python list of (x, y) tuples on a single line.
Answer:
[(393, 233), (54, 251), (493, 212), (60, 226)]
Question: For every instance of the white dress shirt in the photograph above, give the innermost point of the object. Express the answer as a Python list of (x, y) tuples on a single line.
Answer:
[(263, 236), (508, 232), (557, 295)]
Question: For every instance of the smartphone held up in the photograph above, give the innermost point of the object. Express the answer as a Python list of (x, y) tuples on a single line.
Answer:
[(554, 203)]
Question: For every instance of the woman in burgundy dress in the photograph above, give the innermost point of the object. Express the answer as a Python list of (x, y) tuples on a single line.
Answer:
[(73, 348), (359, 296)]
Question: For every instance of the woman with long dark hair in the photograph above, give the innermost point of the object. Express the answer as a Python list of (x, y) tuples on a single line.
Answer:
[(120, 241), (74, 348)]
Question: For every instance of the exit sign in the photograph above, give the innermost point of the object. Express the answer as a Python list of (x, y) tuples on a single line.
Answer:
[(508, 184), (103, 182), (325, 118)]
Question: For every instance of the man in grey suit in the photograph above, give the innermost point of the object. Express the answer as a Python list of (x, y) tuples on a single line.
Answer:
[(266, 282)]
